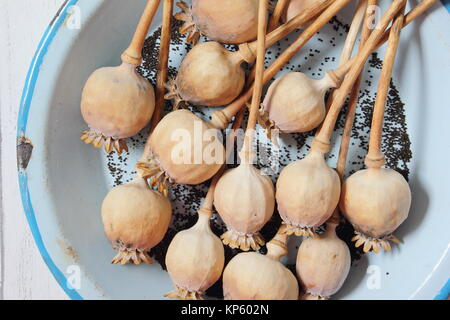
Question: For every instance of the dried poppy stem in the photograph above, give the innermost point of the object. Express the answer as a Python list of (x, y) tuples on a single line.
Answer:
[(277, 13), (417, 11), (288, 27), (375, 157), (258, 86), (351, 111), (161, 79), (322, 140), (133, 54), (353, 32), (304, 16), (350, 41), (353, 102), (164, 52)]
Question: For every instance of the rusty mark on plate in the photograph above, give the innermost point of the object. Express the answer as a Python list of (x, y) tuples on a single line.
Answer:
[(24, 151)]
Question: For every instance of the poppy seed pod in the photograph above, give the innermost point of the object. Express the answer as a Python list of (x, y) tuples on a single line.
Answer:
[(231, 22), (323, 264), (245, 200), (376, 201), (219, 85), (307, 193), (195, 260), (116, 103), (135, 219), (253, 276), (183, 149), (296, 103)]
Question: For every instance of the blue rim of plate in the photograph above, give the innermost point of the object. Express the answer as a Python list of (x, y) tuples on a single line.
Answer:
[(25, 103)]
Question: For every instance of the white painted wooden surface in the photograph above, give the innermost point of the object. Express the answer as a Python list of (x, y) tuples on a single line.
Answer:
[(24, 274)]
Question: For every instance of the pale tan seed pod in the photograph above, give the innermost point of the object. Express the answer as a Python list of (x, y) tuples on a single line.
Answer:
[(117, 102), (323, 264), (296, 103), (253, 276), (307, 193), (183, 149), (376, 201), (230, 21), (225, 76), (135, 219), (195, 260), (245, 200)]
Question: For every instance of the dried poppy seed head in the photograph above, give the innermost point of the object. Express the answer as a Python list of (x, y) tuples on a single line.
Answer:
[(135, 219), (116, 103), (376, 201)]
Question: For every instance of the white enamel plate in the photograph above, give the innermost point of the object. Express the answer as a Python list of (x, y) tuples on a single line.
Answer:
[(63, 181)]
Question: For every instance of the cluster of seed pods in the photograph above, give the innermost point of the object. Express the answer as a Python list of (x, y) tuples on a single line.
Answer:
[(136, 217), (117, 103)]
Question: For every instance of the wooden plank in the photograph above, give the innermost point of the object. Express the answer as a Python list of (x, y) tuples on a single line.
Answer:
[(24, 275)]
